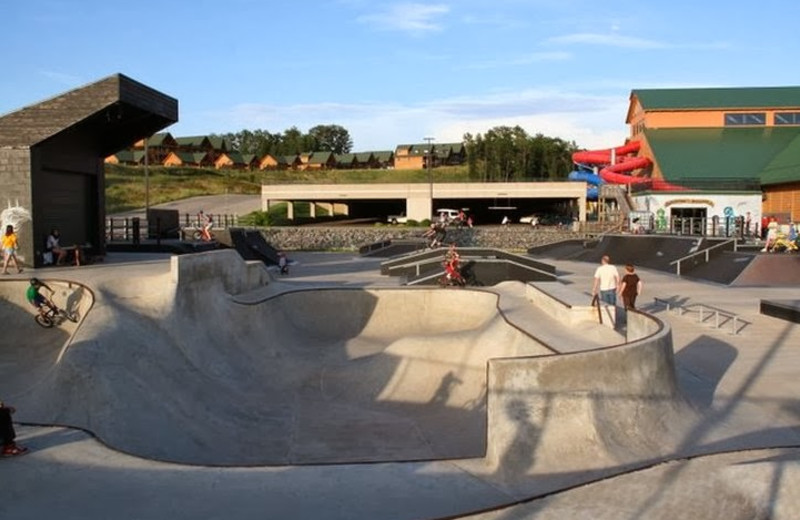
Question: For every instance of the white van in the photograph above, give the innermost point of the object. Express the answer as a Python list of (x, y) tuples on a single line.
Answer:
[(447, 214)]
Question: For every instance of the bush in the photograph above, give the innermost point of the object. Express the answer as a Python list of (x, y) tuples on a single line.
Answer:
[(257, 219)]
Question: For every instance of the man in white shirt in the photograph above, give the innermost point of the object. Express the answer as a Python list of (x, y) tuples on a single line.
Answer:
[(606, 280)]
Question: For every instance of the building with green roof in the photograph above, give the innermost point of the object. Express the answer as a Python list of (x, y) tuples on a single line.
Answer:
[(717, 142)]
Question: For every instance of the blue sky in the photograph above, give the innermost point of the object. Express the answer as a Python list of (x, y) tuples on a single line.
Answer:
[(396, 72)]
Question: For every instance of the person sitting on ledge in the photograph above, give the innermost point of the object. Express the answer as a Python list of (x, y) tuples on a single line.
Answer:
[(54, 247)]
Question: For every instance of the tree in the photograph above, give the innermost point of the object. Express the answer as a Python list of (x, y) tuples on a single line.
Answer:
[(504, 154), (331, 138)]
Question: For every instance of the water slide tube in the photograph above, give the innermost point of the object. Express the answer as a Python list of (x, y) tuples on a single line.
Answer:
[(591, 179), (619, 171)]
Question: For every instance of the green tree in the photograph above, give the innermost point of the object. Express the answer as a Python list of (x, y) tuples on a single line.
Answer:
[(331, 138), (505, 154)]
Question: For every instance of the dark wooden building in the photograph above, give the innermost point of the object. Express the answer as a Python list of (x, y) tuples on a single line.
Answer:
[(51, 157)]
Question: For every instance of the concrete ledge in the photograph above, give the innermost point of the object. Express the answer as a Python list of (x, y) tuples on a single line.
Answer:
[(585, 414), (224, 266)]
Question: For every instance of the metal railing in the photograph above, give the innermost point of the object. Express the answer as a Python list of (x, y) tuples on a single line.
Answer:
[(133, 229), (705, 253), (705, 313)]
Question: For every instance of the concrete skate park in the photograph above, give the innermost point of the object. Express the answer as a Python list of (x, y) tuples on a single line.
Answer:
[(206, 386)]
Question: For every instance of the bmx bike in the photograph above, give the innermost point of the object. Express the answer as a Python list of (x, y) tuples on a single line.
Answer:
[(54, 316), (198, 234)]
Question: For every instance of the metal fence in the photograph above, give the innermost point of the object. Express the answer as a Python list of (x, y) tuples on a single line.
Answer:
[(134, 229)]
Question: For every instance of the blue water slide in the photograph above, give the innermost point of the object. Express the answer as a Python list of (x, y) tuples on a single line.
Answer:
[(590, 178), (587, 176)]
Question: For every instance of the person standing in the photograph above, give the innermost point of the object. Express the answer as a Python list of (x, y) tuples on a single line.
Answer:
[(606, 281), (630, 287), (7, 433), (10, 249)]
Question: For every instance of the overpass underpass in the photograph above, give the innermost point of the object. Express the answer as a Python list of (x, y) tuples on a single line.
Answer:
[(487, 202)]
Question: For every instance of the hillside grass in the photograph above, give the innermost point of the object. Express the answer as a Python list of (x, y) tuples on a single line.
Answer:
[(126, 185)]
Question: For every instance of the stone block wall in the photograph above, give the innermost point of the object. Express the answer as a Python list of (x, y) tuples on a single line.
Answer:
[(312, 238)]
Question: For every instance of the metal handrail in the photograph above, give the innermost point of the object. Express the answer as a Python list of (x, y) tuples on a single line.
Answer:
[(680, 310), (703, 252)]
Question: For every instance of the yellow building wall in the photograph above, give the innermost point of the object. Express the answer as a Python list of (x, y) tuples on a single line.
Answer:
[(172, 160), (403, 162), (783, 199), (689, 118)]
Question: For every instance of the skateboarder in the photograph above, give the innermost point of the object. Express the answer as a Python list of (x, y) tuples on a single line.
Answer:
[(7, 433)]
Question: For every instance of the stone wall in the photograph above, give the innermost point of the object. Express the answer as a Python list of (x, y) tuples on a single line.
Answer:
[(312, 238)]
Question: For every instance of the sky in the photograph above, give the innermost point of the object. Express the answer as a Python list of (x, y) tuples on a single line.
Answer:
[(394, 72)]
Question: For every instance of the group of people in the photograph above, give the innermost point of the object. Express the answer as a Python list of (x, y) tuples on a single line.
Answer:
[(777, 241), (608, 285), (54, 253)]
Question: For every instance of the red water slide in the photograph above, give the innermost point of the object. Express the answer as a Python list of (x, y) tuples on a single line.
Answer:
[(617, 163)]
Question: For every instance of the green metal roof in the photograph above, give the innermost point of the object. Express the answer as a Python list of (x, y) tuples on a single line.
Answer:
[(320, 157), (383, 155), (158, 139), (194, 140), (218, 143), (689, 156), (718, 98), (785, 166), (236, 157), (130, 156)]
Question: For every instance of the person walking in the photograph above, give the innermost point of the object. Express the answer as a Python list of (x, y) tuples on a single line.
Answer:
[(10, 249), (630, 287), (7, 433), (606, 281)]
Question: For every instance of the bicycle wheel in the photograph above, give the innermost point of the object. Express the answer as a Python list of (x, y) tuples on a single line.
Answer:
[(43, 320), (197, 235), (71, 316)]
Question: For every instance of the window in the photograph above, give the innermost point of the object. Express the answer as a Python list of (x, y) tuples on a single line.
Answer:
[(787, 118), (748, 118)]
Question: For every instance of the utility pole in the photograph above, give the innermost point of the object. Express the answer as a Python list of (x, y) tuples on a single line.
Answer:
[(429, 165)]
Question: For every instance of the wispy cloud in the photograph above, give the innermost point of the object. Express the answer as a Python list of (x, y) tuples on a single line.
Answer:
[(525, 59), (588, 119), (407, 17), (609, 39), (614, 39)]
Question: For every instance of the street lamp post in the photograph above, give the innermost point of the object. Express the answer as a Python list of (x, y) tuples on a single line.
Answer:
[(429, 165)]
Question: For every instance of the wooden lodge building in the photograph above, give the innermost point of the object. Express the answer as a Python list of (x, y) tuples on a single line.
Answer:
[(213, 152)]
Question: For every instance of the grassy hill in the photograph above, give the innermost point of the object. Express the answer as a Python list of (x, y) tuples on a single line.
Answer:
[(126, 185)]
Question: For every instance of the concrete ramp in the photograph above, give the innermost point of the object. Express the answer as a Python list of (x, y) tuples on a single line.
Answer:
[(313, 376), (252, 245), (771, 269), (187, 366)]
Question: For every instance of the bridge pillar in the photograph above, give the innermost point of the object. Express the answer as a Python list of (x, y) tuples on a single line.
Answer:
[(327, 206), (419, 208)]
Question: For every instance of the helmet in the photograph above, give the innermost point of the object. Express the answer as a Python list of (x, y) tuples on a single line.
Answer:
[(35, 281)]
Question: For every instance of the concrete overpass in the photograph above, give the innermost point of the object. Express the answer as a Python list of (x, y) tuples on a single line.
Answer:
[(422, 199)]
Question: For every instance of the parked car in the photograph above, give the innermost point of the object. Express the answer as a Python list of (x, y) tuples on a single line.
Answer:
[(446, 214), (533, 220), (397, 219)]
